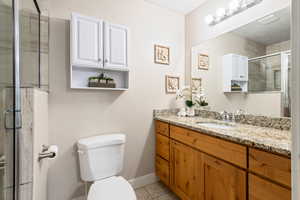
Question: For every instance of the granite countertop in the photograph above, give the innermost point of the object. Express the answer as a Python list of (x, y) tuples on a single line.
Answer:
[(269, 139)]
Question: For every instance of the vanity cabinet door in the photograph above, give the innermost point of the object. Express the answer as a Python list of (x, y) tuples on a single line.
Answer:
[(86, 41), (261, 189), (221, 181), (183, 170)]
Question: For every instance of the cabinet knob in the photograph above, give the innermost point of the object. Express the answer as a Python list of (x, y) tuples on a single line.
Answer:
[(100, 60), (106, 60)]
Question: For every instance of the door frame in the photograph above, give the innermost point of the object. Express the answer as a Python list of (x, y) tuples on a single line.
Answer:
[(295, 100)]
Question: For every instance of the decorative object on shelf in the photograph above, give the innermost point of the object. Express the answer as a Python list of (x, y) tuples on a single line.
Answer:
[(235, 7), (191, 100), (161, 55), (196, 85), (203, 61), (236, 87), (102, 81), (172, 84)]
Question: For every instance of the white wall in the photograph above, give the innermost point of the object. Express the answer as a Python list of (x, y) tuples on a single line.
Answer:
[(197, 31), (75, 114)]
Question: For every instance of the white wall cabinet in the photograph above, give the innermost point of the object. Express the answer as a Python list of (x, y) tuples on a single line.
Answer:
[(98, 47), (235, 72)]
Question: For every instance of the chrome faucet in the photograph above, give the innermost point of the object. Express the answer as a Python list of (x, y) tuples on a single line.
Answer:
[(237, 113), (225, 115)]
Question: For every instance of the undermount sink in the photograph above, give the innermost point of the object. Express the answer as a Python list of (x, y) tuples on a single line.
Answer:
[(215, 125)]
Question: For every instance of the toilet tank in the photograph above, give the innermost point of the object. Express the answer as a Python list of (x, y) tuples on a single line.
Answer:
[(101, 156)]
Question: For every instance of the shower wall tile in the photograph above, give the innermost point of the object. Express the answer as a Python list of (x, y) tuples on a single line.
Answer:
[(25, 192), (26, 136)]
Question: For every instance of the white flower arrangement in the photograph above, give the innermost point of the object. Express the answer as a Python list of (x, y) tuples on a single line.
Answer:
[(191, 99)]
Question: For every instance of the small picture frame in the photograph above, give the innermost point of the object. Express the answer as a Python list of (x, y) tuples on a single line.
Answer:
[(172, 84), (203, 62), (196, 85), (161, 55)]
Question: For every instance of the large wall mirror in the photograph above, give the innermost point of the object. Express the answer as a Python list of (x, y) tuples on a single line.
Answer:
[(248, 68)]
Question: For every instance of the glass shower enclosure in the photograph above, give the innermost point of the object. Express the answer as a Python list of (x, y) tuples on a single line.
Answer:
[(272, 73), (20, 67)]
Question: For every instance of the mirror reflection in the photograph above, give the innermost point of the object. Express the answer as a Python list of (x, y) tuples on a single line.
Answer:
[(248, 68)]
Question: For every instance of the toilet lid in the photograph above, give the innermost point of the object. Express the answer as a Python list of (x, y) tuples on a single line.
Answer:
[(113, 188)]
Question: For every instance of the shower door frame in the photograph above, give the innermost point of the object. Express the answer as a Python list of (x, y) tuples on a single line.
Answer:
[(16, 110), (16, 97)]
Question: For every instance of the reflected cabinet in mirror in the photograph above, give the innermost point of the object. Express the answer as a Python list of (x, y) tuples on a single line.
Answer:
[(248, 68)]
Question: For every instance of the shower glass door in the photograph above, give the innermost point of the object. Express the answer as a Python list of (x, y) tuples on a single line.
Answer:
[(19, 70), (8, 131)]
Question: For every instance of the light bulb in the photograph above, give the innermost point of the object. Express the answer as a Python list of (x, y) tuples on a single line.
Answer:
[(234, 6), (221, 12), (209, 19)]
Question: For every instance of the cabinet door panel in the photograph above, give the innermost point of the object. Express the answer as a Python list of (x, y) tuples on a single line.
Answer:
[(87, 45), (222, 181), (162, 170), (163, 146), (260, 189), (115, 46), (183, 171), (243, 68)]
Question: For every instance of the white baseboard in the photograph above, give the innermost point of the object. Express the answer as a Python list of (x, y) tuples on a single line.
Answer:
[(80, 198), (143, 180)]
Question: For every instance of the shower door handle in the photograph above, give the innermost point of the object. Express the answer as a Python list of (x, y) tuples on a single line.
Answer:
[(8, 119)]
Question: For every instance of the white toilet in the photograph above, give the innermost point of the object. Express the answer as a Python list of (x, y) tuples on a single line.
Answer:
[(101, 159)]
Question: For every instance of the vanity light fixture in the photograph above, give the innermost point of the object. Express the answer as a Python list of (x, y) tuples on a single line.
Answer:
[(235, 7)]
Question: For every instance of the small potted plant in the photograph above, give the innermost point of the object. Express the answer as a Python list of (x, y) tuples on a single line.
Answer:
[(93, 81)]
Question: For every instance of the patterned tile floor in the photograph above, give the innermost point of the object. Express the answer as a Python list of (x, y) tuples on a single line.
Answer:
[(155, 191)]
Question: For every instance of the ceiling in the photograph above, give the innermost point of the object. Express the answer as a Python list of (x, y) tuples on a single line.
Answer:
[(182, 6), (267, 34)]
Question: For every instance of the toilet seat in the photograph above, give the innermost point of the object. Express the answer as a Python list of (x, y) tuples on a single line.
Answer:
[(113, 188)]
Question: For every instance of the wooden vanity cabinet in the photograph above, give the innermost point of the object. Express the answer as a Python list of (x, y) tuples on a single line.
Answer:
[(197, 166)]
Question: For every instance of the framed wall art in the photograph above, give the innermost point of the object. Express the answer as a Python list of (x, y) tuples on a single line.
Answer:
[(203, 61), (172, 84), (161, 55), (196, 85)]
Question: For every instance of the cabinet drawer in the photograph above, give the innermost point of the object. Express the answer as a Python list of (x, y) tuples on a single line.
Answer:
[(162, 170), (260, 189), (162, 128), (274, 167), (228, 151), (163, 146)]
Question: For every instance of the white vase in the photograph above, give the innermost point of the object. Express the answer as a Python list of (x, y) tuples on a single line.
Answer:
[(190, 111)]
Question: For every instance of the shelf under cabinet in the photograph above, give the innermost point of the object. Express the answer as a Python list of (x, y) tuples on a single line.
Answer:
[(80, 76)]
